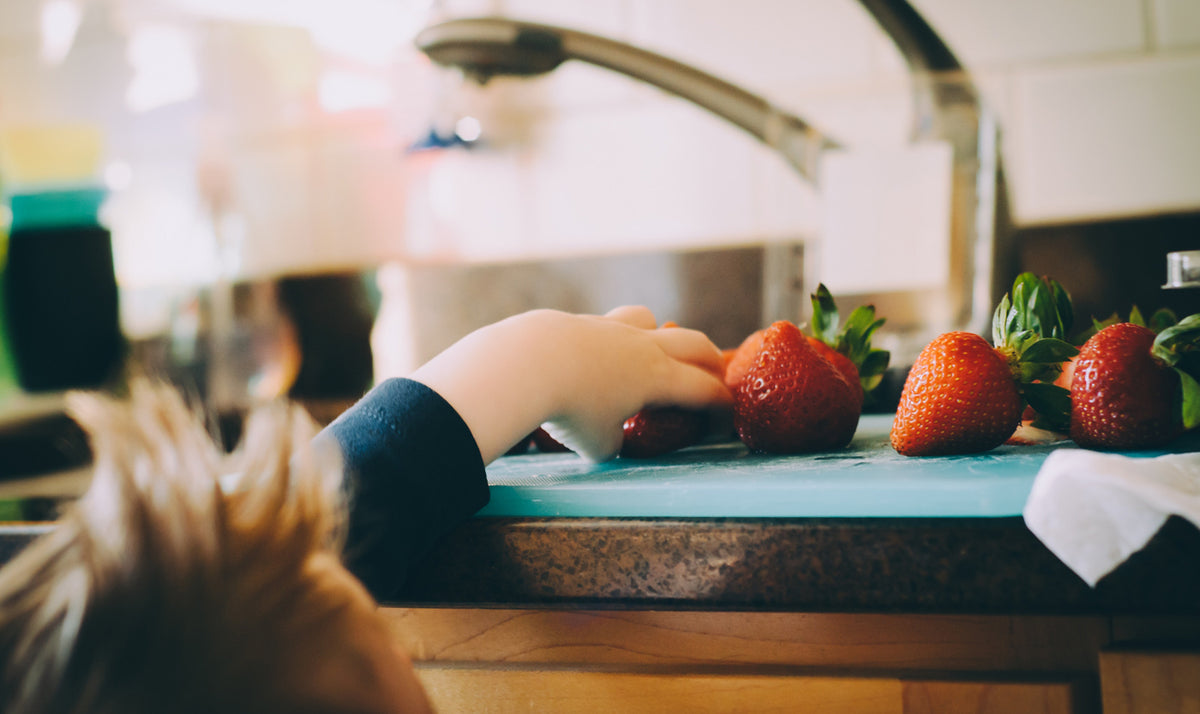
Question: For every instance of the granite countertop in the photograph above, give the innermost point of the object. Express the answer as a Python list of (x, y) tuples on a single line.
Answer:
[(933, 565), (900, 565), (803, 546)]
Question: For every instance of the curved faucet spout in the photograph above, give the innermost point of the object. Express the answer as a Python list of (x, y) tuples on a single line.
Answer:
[(491, 46), (947, 110)]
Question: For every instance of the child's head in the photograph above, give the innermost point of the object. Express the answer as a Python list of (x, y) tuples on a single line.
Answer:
[(190, 580)]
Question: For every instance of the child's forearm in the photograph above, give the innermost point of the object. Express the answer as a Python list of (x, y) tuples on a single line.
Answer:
[(493, 383)]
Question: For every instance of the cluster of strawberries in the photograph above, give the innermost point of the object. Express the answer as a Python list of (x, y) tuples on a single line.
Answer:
[(1131, 385)]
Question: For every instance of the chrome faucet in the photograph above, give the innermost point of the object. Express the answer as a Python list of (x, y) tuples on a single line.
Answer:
[(488, 47), (950, 111)]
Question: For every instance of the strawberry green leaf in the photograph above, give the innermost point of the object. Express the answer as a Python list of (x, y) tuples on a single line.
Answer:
[(1190, 403), (1191, 322), (1024, 289), (1159, 320), (1039, 307), (825, 315), (1178, 340), (855, 338), (1020, 340), (1049, 350), (1095, 327), (1112, 319), (875, 363), (860, 318), (1049, 311), (870, 331), (999, 322), (1052, 404), (1162, 319), (1039, 313), (1066, 311), (851, 338)]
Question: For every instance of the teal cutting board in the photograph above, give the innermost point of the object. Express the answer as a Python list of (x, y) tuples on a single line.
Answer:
[(867, 479)]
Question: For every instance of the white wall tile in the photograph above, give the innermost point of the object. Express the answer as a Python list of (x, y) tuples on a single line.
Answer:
[(761, 44), (985, 33), (1176, 23), (873, 113), (786, 206), (19, 19), (471, 205), (1108, 140), (886, 223), (443, 9), (662, 174), (1097, 102), (602, 17)]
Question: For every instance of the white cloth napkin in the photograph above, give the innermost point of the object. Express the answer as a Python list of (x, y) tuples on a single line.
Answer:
[(1093, 510)]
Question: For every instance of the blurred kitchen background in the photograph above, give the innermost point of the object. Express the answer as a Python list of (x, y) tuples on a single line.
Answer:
[(281, 178)]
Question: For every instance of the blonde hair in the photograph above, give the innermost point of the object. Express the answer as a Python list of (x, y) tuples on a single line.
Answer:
[(170, 587)]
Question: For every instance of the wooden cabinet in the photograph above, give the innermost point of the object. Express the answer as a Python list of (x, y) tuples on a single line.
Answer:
[(1143, 679), (576, 691), (724, 614), (518, 660)]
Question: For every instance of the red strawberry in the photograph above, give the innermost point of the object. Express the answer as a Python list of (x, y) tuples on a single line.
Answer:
[(793, 400), (1159, 320), (1124, 394), (739, 359), (1068, 373), (964, 396), (659, 430), (960, 397), (842, 363)]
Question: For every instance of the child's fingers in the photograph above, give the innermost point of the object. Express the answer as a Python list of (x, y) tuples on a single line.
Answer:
[(634, 315), (693, 387), (691, 346)]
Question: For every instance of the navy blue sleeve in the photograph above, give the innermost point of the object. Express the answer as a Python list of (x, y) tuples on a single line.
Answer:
[(413, 472)]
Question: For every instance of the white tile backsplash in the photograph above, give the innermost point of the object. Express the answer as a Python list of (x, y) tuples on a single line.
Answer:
[(1098, 102), (763, 45), (661, 173), (886, 223), (1176, 23), (986, 33), (462, 205), (610, 18), (1109, 140)]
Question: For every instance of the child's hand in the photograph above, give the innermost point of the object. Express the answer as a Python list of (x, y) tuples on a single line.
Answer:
[(580, 375)]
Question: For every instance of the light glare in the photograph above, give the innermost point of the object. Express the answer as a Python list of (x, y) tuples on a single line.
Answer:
[(468, 129), (164, 67), (59, 23)]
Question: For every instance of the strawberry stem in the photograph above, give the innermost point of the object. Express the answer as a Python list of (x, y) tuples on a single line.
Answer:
[(1030, 330), (852, 339), (1179, 347)]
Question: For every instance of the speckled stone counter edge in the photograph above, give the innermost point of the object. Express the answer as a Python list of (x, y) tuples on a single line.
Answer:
[(978, 566), (844, 565)]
